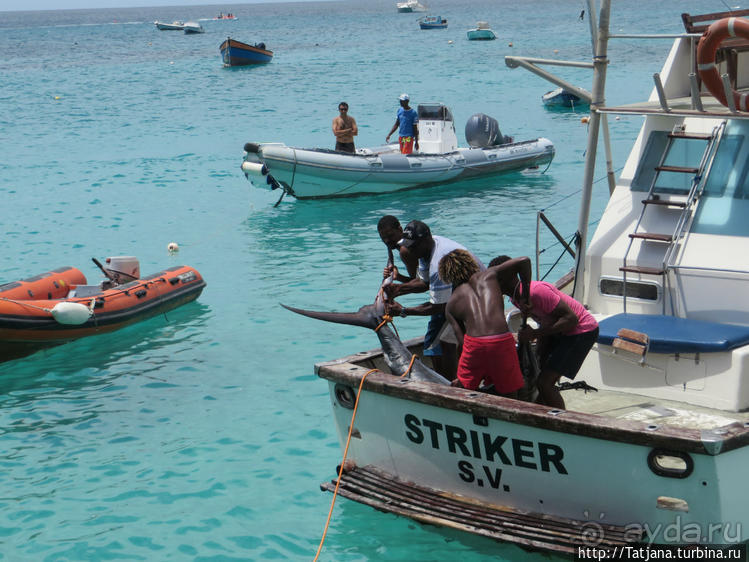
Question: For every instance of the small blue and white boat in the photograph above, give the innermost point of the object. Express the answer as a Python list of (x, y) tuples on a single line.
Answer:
[(236, 53), (482, 32), (433, 22), (562, 98)]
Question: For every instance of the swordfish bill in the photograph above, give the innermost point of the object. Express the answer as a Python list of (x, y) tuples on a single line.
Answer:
[(397, 356)]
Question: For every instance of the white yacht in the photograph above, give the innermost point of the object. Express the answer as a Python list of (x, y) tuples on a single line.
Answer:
[(658, 454)]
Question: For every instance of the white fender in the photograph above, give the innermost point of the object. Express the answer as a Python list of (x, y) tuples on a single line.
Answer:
[(254, 169), (71, 313)]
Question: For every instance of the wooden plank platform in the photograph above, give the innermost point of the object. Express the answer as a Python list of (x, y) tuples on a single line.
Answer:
[(537, 531)]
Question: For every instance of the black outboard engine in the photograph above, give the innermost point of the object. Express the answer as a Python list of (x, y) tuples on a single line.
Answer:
[(483, 131)]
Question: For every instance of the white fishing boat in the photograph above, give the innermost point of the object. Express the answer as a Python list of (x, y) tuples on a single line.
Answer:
[(193, 27), (167, 26), (410, 6), (659, 453), (308, 173)]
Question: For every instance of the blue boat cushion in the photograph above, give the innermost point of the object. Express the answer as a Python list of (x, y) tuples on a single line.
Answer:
[(669, 334)]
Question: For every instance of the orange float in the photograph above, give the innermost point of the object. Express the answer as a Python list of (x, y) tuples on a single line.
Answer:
[(707, 49), (58, 306)]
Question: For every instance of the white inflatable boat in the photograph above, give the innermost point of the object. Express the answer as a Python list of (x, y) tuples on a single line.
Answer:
[(313, 173)]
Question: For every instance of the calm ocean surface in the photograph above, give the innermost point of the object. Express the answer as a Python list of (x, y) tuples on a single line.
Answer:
[(203, 435)]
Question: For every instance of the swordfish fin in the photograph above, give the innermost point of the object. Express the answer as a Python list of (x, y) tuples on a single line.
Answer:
[(365, 317)]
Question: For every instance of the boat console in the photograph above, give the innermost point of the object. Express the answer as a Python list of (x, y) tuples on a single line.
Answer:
[(436, 129)]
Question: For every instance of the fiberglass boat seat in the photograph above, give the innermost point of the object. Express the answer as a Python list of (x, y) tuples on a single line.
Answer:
[(669, 334)]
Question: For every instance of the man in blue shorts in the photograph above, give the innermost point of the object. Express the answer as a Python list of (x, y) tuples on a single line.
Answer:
[(429, 250), (408, 129)]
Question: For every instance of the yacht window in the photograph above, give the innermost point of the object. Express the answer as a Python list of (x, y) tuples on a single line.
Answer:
[(635, 289), (724, 204)]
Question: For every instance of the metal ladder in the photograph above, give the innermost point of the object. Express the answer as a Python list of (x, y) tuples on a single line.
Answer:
[(686, 206)]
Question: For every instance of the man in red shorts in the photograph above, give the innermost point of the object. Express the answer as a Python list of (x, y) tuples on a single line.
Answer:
[(476, 312)]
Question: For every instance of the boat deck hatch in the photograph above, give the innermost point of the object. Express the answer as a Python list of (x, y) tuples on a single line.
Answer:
[(377, 489)]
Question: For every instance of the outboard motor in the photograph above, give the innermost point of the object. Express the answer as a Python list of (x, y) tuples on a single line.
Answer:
[(122, 269), (483, 131)]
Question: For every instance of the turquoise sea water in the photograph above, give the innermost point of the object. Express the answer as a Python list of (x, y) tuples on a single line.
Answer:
[(203, 435)]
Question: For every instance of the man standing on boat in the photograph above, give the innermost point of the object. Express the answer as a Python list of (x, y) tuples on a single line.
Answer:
[(407, 124), (429, 250), (566, 332), (344, 129), (391, 232), (476, 313)]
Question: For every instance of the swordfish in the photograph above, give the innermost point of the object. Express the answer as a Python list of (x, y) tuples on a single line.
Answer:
[(397, 356)]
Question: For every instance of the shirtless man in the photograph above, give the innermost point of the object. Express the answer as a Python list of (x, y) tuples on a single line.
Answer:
[(344, 129), (476, 312)]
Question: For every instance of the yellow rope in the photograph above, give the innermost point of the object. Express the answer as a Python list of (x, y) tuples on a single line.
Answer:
[(387, 318), (343, 461)]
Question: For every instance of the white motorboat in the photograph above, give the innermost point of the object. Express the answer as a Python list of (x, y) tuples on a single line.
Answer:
[(173, 26), (659, 453), (410, 6), (482, 32), (193, 27), (308, 173)]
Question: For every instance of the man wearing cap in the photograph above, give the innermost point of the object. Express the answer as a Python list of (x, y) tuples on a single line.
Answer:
[(429, 250), (407, 124)]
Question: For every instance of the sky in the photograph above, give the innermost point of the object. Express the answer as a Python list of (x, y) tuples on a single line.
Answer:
[(14, 5)]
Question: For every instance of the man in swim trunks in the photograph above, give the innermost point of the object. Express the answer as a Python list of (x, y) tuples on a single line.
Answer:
[(407, 124), (428, 250), (344, 129), (565, 335), (476, 312)]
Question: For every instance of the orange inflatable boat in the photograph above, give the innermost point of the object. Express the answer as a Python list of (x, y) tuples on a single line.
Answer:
[(58, 306)]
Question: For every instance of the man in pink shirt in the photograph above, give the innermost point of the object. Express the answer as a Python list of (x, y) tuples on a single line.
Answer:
[(566, 332)]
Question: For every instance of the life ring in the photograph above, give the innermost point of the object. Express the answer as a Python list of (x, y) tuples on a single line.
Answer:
[(706, 51)]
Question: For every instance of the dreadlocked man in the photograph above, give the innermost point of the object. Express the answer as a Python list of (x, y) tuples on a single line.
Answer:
[(476, 312)]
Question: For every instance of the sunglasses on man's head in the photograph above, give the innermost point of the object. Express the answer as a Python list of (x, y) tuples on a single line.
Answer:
[(343, 108)]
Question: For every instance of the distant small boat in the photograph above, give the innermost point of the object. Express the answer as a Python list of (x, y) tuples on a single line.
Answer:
[(236, 53), (174, 26), (225, 17), (562, 98), (193, 27), (482, 32), (433, 22), (410, 6)]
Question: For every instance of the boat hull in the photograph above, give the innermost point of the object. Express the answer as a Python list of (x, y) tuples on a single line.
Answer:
[(26, 325), (319, 173), (236, 53), (513, 456)]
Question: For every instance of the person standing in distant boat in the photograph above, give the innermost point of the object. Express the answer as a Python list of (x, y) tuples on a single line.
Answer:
[(476, 312), (407, 124), (344, 129)]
